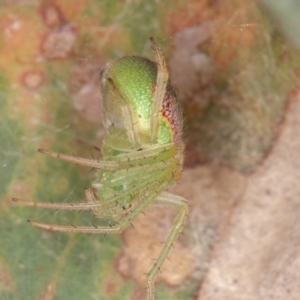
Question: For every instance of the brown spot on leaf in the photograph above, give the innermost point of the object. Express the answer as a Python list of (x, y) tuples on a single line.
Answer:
[(6, 281), (32, 80), (110, 286), (85, 87), (49, 293), (59, 42), (195, 12), (52, 15)]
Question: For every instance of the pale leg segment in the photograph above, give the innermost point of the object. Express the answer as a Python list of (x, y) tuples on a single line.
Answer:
[(129, 121), (152, 151), (180, 203), (63, 206), (159, 153), (160, 90), (107, 165), (131, 128)]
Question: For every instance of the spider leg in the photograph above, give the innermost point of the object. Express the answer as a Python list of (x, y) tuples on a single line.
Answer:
[(160, 90), (152, 193), (131, 128), (152, 152), (147, 185), (107, 165), (134, 175), (81, 229), (62, 206), (127, 114), (179, 203)]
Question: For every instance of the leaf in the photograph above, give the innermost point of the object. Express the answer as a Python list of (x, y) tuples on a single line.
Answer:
[(50, 61)]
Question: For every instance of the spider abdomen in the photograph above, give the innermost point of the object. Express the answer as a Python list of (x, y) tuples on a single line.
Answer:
[(134, 84)]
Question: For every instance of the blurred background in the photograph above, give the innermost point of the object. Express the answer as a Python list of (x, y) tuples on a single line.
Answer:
[(235, 67)]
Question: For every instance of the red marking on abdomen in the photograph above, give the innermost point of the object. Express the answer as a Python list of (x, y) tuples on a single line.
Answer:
[(172, 113)]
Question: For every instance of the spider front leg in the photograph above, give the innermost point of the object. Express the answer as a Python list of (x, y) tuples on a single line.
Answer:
[(160, 90), (126, 114)]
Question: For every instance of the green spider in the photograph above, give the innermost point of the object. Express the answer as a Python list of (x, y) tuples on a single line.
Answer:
[(142, 152)]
